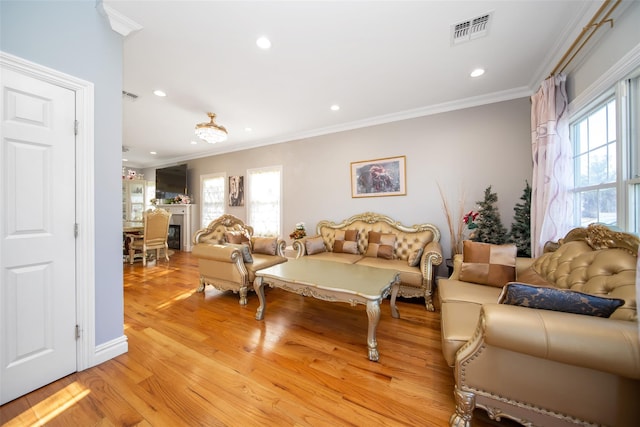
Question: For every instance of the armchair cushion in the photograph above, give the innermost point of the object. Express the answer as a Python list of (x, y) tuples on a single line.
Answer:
[(346, 242), (414, 257), (314, 245), (488, 264), (381, 245), (555, 299), (265, 245)]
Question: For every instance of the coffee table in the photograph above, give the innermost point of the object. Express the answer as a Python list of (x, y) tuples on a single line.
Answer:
[(333, 282)]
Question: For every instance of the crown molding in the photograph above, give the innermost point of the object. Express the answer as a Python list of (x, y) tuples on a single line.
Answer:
[(119, 23), (507, 95)]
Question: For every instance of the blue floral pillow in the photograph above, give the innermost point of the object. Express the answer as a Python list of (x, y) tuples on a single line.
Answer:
[(565, 300)]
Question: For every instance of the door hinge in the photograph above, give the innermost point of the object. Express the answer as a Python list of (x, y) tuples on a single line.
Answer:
[(75, 127), (75, 230), (77, 332)]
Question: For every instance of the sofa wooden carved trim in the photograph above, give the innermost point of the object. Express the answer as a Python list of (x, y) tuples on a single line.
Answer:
[(222, 265), (416, 281), (543, 367)]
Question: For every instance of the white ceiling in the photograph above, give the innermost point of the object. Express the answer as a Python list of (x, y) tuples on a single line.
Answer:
[(379, 60)]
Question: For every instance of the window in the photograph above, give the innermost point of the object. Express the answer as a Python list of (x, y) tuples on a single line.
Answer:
[(633, 185), (595, 177), (605, 139), (264, 200), (212, 197)]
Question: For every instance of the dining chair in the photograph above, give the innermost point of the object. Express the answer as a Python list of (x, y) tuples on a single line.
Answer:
[(154, 236)]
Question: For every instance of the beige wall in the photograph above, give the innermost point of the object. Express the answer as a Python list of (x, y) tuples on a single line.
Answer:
[(613, 44), (465, 151)]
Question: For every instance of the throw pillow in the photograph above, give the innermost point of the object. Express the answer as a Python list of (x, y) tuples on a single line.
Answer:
[(555, 299), (265, 245), (381, 245), (244, 250), (314, 245), (237, 237), (488, 264), (346, 242), (414, 258)]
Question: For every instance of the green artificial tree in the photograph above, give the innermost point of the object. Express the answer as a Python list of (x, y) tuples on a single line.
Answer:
[(521, 228), (490, 228)]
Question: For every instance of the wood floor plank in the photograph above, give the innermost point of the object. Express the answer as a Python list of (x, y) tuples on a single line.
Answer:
[(202, 359)]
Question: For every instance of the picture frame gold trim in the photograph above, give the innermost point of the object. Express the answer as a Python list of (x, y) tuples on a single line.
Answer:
[(379, 177)]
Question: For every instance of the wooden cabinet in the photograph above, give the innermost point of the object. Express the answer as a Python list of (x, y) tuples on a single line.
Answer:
[(134, 199)]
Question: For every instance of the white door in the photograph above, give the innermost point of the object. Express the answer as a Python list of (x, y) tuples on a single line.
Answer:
[(37, 242)]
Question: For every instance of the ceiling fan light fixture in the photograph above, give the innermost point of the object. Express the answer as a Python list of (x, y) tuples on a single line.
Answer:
[(210, 131)]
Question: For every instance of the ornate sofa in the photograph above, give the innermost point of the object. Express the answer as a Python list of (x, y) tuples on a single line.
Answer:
[(413, 251), (523, 352), (229, 255)]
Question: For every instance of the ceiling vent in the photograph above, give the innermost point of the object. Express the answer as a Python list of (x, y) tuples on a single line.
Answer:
[(470, 29), (128, 95)]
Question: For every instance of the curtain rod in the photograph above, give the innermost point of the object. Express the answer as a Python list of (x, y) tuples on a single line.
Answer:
[(592, 26)]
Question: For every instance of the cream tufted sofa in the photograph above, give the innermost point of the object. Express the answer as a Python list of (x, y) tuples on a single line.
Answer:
[(229, 267), (415, 281), (542, 367)]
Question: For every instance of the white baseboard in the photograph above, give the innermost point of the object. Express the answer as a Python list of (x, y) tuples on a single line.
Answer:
[(110, 349)]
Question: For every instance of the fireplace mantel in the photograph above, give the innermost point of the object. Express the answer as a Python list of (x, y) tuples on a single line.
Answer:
[(183, 215)]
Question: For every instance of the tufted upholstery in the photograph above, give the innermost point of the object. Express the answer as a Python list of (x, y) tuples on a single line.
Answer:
[(214, 233), (223, 266), (414, 281), (543, 367), (605, 272), (406, 242)]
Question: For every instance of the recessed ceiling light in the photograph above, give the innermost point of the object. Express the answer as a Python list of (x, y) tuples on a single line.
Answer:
[(248, 129), (263, 43), (477, 72), (125, 160), (194, 142), (335, 107), (153, 152), (159, 93)]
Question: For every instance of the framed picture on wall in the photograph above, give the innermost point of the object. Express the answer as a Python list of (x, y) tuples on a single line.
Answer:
[(236, 190), (379, 177)]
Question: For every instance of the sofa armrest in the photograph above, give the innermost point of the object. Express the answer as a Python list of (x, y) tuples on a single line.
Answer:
[(457, 266), (523, 263), (221, 253), (432, 255), (602, 344), (299, 246)]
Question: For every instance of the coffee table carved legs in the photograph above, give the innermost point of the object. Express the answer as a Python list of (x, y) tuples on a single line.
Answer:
[(334, 295), (373, 313), (394, 294), (259, 288)]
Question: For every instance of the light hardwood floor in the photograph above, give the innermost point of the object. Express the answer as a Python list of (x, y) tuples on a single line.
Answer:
[(200, 359)]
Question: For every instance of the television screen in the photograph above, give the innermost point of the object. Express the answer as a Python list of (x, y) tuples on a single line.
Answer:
[(171, 181)]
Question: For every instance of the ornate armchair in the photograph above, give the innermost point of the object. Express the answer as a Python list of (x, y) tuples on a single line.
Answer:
[(229, 255), (156, 231)]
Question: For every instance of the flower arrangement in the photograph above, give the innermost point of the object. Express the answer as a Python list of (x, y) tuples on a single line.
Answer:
[(469, 223), (461, 229), (132, 175), (299, 232), (182, 199)]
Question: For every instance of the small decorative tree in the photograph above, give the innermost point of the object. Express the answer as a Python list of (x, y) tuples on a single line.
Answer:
[(521, 228), (490, 228)]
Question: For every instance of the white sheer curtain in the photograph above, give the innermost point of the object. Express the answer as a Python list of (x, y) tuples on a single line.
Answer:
[(211, 197), (264, 200), (552, 168)]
